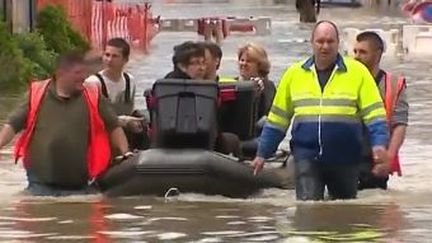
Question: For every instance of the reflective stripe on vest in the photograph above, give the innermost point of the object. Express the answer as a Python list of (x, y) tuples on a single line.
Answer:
[(99, 150), (393, 88), (224, 79)]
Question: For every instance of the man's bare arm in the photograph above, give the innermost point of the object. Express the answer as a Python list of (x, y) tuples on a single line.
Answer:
[(119, 140), (396, 140), (7, 133)]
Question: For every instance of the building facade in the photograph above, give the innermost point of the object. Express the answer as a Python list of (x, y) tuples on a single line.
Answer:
[(19, 15)]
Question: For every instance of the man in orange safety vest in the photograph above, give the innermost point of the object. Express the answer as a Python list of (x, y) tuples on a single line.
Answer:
[(67, 128), (368, 50)]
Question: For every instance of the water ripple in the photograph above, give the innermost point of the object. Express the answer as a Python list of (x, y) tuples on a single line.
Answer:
[(123, 216)]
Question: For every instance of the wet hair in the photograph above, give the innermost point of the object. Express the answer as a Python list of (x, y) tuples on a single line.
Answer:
[(373, 38), (184, 52), (322, 22), (121, 44), (69, 59), (259, 54)]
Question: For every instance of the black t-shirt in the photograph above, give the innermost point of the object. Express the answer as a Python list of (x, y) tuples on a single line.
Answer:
[(324, 75), (379, 76)]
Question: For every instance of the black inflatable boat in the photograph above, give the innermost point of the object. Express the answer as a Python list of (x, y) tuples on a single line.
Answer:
[(156, 171), (186, 119)]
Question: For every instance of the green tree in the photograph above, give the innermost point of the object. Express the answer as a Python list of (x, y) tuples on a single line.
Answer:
[(15, 69), (36, 53), (57, 31), (32, 55)]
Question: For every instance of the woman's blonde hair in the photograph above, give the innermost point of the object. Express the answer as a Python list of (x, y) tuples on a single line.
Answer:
[(257, 53)]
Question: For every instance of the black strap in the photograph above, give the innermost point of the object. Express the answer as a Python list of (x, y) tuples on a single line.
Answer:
[(128, 88), (102, 81)]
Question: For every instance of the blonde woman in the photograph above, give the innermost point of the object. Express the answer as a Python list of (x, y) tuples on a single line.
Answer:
[(254, 65)]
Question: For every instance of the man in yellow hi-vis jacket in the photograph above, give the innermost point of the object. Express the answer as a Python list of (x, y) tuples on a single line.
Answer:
[(327, 97)]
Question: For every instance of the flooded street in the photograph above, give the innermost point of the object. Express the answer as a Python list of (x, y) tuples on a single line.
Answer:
[(401, 214)]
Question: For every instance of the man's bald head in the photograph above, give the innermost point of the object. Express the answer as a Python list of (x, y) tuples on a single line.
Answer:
[(325, 26), (325, 44)]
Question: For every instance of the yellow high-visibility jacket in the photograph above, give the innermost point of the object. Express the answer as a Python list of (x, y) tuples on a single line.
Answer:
[(327, 124)]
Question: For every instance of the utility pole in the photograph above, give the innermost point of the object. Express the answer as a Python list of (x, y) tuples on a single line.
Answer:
[(32, 14), (6, 13), (104, 24), (2, 10)]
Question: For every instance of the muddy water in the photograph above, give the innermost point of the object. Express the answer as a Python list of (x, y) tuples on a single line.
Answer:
[(401, 214)]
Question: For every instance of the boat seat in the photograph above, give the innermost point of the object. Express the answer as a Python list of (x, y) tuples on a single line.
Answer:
[(239, 113), (183, 113)]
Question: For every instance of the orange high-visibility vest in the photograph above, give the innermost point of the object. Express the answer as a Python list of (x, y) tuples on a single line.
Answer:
[(391, 96), (99, 149)]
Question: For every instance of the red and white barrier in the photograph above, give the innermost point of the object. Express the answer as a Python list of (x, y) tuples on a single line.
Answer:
[(100, 21)]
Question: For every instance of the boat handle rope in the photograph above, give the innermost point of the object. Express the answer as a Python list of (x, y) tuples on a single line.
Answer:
[(174, 190)]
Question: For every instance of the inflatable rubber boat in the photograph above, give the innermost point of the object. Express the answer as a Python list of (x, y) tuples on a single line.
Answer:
[(186, 118), (158, 171)]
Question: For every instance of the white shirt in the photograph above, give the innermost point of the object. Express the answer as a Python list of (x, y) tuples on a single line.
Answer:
[(116, 90)]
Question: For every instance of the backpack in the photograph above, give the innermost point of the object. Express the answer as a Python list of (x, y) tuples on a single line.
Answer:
[(105, 91)]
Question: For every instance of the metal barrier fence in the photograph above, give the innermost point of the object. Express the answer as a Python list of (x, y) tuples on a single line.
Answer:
[(100, 20)]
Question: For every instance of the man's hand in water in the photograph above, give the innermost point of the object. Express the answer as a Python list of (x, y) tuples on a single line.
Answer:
[(381, 159), (258, 164)]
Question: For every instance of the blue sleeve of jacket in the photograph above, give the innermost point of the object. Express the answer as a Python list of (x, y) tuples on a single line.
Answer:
[(269, 140), (378, 131)]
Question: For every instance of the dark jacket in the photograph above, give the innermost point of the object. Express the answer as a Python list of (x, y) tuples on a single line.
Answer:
[(266, 98), (177, 74)]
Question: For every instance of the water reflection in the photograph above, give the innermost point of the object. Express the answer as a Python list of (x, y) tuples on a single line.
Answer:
[(348, 218), (123, 220), (71, 220)]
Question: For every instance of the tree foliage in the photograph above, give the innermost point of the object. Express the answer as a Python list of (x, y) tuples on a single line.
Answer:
[(57, 31), (15, 69), (28, 56)]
